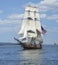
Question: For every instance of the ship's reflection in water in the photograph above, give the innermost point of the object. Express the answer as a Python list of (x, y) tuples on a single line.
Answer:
[(14, 55), (33, 57)]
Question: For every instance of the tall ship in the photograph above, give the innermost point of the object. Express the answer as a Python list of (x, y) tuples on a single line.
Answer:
[(31, 29)]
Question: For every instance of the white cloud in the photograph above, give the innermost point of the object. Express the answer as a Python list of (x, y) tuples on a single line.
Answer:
[(32, 4), (54, 29), (15, 16), (6, 21), (14, 25), (49, 6), (5, 29), (53, 17), (46, 5), (43, 15), (56, 21), (1, 11), (12, 20), (48, 2)]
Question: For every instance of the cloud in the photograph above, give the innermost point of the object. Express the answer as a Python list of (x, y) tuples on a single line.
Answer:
[(54, 29), (31, 3), (43, 15), (49, 9), (46, 5), (11, 23), (1, 11), (56, 21), (8, 21), (5, 29), (15, 16), (48, 2), (53, 17)]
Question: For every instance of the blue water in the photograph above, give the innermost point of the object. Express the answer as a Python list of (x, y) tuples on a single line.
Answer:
[(15, 55)]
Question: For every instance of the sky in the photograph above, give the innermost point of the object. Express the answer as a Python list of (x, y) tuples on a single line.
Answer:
[(11, 11)]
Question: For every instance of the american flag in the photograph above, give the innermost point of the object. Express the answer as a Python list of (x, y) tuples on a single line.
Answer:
[(43, 30)]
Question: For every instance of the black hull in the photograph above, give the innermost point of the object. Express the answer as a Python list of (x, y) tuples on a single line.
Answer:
[(30, 46)]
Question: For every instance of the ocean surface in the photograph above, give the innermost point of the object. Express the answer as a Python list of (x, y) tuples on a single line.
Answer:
[(15, 55)]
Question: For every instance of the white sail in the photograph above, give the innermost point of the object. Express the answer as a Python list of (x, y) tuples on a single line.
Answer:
[(38, 26), (37, 19), (26, 25), (30, 12), (31, 29), (30, 24)]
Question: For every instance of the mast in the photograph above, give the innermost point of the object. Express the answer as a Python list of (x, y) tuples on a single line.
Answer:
[(38, 26)]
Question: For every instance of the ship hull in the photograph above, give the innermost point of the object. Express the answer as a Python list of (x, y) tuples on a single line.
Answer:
[(30, 46)]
